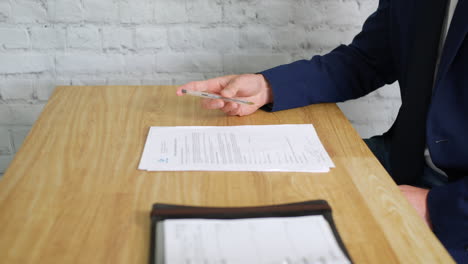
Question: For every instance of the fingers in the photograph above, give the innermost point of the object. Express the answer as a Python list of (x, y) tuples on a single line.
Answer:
[(194, 86), (229, 108), (212, 103), (214, 85), (230, 90)]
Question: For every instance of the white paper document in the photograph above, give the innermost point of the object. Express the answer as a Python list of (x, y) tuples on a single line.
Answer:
[(235, 148), (281, 240)]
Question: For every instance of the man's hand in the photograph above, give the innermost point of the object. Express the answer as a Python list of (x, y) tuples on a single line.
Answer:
[(249, 87), (418, 199)]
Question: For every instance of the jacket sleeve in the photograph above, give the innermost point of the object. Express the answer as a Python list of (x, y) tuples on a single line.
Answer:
[(345, 73), (448, 211)]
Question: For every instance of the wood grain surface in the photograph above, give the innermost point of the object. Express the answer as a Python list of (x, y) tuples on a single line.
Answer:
[(73, 193)]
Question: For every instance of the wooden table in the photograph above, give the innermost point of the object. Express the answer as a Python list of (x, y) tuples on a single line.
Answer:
[(73, 193)]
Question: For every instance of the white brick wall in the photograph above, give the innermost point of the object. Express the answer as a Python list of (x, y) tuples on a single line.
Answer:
[(14, 38), (44, 43), (50, 37)]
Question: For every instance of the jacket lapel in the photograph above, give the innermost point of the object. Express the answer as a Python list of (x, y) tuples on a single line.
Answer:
[(455, 37)]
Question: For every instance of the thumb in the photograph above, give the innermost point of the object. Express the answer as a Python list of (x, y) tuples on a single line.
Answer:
[(230, 90)]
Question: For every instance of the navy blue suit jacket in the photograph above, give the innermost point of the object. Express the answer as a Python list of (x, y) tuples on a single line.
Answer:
[(377, 56)]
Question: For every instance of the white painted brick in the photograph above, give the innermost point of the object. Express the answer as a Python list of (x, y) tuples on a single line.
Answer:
[(123, 80), (239, 12), (203, 11), (172, 11), (16, 89), (156, 81), (322, 38), (5, 142), (136, 11), (306, 54), (14, 38), (251, 63), (44, 89), (210, 75), (371, 129), (4, 162), (151, 37), (188, 62), (367, 7), (140, 64), (5, 114), (117, 38), (48, 37), (222, 39), (25, 63), (257, 37), (88, 63), (382, 110), (5, 11), (89, 82), (183, 78), (86, 37), (182, 38), (177, 41), (288, 39), (19, 134), (63, 82), (391, 91), (274, 12), (308, 13), (27, 11), (343, 13), (174, 62), (25, 114), (106, 11), (65, 10)]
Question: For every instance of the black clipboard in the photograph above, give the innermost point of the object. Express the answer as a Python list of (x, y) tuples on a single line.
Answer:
[(162, 212)]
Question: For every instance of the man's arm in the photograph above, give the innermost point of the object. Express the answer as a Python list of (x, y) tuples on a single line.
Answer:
[(345, 73)]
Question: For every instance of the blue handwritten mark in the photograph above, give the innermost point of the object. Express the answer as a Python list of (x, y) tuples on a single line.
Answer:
[(163, 160)]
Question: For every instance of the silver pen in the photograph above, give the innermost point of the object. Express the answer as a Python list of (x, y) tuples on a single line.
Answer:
[(215, 96)]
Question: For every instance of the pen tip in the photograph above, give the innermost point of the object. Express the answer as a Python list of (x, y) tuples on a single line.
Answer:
[(184, 91)]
